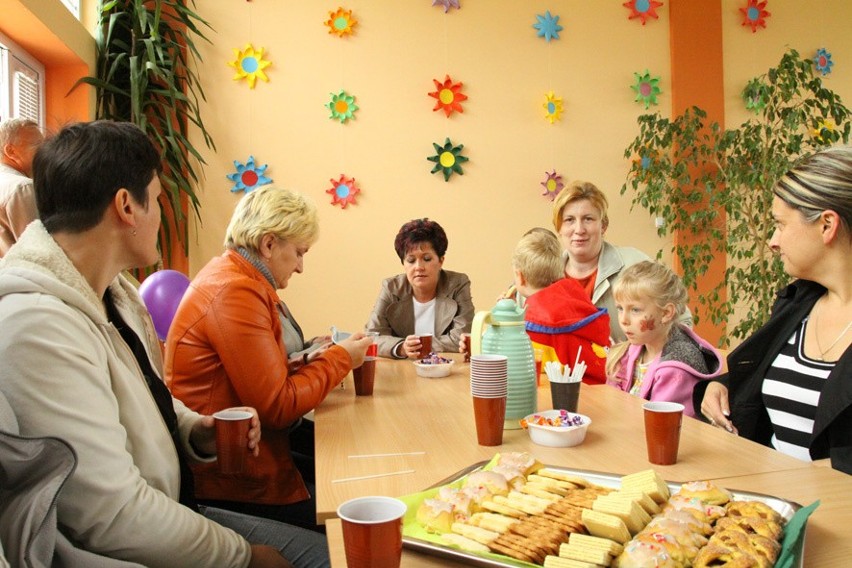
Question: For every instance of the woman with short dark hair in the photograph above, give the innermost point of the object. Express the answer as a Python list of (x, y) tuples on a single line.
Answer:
[(80, 361), (425, 299)]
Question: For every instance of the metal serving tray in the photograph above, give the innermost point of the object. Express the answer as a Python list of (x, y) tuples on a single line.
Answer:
[(785, 508)]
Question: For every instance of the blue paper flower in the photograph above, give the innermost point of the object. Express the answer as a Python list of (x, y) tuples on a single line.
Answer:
[(823, 61), (548, 26), (248, 176)]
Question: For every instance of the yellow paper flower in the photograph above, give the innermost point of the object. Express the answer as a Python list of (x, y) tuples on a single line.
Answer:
[(250, 64), (552, 107)]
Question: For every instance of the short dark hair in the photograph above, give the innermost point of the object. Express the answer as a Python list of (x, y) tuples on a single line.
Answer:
[(420, 231), (77, 172)]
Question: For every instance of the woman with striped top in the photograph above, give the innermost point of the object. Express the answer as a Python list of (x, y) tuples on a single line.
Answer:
[(789, 386)]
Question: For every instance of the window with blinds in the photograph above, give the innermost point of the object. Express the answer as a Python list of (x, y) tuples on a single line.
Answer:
[(21, 83)]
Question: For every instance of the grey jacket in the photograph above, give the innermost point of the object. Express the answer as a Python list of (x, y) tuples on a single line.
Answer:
[(33, 472), (393, 314)]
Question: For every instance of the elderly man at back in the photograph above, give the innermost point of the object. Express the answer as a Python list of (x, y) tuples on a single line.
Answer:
[(19, 139)]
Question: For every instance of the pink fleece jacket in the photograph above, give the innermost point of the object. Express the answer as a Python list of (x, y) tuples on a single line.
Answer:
[(685, 360)]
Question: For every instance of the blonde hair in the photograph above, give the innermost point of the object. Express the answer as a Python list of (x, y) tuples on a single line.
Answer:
[(819, 182), (647, 280), (538, 256), (281, 212), (577, 191)]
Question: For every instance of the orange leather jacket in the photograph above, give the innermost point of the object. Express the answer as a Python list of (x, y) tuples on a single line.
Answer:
[(225, 349)]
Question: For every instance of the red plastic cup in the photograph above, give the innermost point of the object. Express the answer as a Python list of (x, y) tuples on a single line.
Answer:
[(372, 531), (373, 350), (489, 413), (465, 337), (232, 428), (538, 352), (425, 345), (662, 431), (364, 377)]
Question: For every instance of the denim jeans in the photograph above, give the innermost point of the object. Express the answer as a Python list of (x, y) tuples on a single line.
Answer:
[(303, 548)]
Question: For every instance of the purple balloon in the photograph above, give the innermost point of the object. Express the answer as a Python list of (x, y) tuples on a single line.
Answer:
[(162, 292)]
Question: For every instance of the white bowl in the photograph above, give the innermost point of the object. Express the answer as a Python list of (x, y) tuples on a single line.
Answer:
[(433, 370), (557, 436)]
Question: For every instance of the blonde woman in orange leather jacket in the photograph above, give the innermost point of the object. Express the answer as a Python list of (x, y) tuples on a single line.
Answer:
[(225, 348)]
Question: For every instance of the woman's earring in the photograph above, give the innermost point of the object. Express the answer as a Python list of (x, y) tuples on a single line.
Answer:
[(133, 232)]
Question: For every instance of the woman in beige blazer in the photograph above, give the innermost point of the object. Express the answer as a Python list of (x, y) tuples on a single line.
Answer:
[(425, 299)]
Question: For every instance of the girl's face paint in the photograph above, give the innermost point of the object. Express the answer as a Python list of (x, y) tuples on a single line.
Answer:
[(641, 320)]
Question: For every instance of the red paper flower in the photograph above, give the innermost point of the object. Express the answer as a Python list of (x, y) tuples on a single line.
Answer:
[(343, 191), (754, 14), (448, 95), (642, 9)]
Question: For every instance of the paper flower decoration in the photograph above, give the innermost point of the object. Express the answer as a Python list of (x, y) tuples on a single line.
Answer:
[(825, 131), (754, 14), (552, 107), (248, 176), (343, 191), (448, 159), (342, 106), (823, 62), (643, 162), (642, 9), (646, 88), (548, 26), (552, 185), (448, 95), (447, 4), (341, 22), (250, 64), (755, 95)]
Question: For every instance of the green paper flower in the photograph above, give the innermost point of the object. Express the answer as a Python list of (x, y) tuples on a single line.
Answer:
[(755, 95), (647, 88), (342, 106), (448, 159)]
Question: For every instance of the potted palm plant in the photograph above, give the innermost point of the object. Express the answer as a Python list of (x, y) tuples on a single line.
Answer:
[(703, 179), (146, 57)]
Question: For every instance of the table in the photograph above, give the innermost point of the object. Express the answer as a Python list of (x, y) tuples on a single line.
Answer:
[(408, 414)]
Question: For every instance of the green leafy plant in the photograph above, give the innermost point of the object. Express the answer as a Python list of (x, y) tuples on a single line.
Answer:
[(716, 183), (145, 75)]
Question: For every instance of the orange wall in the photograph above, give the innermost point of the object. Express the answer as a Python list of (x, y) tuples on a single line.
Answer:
[(53, 36)]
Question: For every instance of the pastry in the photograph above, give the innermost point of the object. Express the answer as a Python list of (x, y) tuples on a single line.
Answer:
[(644, 555), (705, 492), (701, 511), (435, 515), (522, 461), (753, 509)]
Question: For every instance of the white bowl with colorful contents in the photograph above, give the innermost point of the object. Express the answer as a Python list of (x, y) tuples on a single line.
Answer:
[(434, 366), (557, 428)]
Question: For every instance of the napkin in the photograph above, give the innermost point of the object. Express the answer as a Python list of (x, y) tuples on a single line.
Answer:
[(794, 534)]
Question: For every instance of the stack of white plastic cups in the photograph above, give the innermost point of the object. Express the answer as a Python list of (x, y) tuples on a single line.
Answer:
[(489, 387)]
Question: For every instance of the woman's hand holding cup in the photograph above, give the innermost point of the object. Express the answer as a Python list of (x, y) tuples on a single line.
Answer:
[(356, 345)]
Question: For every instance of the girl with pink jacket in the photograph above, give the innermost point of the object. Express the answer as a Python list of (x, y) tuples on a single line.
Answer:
[(661, 360)]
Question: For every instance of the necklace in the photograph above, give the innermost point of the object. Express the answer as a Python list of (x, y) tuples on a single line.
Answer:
[(822, 351)]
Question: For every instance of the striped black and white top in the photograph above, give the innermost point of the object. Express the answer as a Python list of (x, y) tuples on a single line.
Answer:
[(791, 392)]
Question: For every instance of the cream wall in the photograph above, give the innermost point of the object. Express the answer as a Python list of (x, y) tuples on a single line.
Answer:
[(796, 25), (389, 64)]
